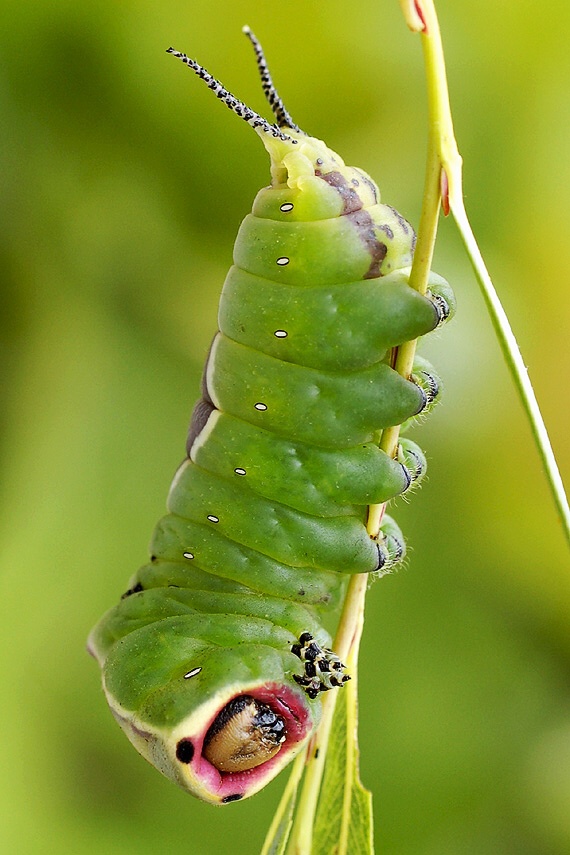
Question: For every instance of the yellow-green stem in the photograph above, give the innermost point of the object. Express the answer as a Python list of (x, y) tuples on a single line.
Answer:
[(440, 126), (346, 646), (350, 626), (419, 13)]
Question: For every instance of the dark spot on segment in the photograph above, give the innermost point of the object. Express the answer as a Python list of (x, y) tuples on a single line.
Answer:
[(404, 224), (370, 184), (185, 751), (350, 199), (387, 231), (234, 798), (365, 226), (200, 415), (203, 409), (136, 589), (317, 753)]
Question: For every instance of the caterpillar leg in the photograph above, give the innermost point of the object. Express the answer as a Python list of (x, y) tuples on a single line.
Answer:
[(426, 378), (323, 669), (391, 546), (413, 462)]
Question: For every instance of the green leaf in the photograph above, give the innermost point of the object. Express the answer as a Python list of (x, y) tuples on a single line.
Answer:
[(343, 823), (280, 829)]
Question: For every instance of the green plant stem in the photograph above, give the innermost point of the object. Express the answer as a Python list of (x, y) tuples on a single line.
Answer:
[(421, 17), (427, 231), (515, 364)]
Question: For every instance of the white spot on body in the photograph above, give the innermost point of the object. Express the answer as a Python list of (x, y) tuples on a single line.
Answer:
[(282, 261), (192, 673), (188, 555), (280, 334), (239, 471), (213, 518), (260, 406), (286, 207)]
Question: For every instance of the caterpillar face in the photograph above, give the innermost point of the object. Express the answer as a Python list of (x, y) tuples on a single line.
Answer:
[(215, 659), (245, 734), (229, 744)]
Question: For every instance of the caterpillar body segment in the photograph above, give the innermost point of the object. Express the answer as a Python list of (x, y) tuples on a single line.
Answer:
[(377, 314), (215, 657)]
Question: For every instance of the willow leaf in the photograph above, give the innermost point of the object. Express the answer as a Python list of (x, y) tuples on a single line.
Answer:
[(343, 823)]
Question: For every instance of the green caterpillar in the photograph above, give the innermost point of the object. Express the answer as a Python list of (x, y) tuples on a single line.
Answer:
[(215, 658)]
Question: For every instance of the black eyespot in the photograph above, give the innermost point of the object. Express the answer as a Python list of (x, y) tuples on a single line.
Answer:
[(235, 798), (185, 751), (134, 590)]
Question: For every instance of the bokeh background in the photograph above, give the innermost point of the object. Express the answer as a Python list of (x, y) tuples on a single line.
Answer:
[(122, 186)]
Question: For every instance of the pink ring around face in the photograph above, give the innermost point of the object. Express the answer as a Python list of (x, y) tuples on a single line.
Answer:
[(231, 786)]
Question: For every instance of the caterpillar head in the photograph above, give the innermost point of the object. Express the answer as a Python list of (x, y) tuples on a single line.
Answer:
[(221, 739), (314, 179), (298, 162)]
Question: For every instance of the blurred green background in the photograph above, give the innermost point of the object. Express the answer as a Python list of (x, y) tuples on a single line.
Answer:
[(122, 186)]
